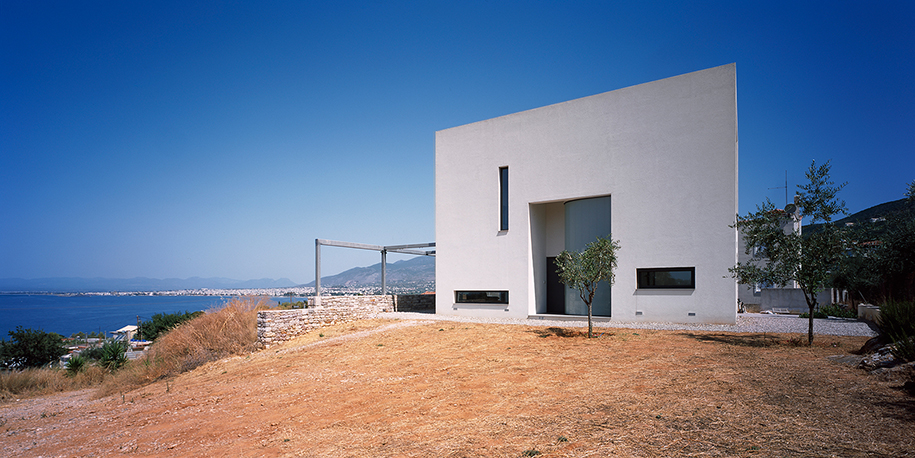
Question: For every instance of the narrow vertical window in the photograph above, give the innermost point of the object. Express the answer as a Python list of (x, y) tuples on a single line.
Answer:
[(503, 198)]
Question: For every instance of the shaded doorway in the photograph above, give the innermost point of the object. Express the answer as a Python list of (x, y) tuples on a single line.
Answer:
[(555, 290)]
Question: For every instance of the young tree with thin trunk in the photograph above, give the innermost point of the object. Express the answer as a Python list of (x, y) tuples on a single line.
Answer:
[(793, 257), (584, 270)]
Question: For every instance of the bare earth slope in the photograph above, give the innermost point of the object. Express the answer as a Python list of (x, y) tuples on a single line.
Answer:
[(451, 389)]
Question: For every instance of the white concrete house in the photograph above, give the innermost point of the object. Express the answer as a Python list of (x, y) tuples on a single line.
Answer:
[(653, 164)]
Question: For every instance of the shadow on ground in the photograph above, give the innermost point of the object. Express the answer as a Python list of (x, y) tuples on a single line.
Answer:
[(564, 332), (743, 340)]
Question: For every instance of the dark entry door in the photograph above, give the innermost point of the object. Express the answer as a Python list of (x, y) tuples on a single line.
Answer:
[(555, 291)]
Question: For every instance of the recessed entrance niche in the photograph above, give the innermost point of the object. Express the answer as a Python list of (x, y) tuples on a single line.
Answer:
[(557, 226), (585, 221)]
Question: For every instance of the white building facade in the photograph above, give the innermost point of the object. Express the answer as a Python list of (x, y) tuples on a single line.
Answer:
[(655, 165)]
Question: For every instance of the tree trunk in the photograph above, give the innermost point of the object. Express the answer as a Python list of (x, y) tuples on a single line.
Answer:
[(810, 326), (589, 301), (811, 304)]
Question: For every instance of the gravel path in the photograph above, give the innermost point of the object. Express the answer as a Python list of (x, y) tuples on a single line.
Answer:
[(746, 322)]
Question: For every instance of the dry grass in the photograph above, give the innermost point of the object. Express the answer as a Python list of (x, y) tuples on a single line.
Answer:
[(221, 332), (39, 382), (229, 330), (445, 389)]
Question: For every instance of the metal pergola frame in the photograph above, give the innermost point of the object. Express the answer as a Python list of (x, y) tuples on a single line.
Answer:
[(402, 249)]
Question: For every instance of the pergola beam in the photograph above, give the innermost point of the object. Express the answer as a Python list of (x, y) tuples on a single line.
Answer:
[(402, 249), (361, 246)]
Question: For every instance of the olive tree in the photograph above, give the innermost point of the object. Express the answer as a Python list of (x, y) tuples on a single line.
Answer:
[(789, 256), (584, 270)]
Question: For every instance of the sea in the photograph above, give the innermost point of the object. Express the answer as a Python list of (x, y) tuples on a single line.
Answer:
[(69, 314)]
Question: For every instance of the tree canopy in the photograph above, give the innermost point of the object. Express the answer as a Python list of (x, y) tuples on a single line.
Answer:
[(881, 262), (584, 270), (783, 257), (31, 348)]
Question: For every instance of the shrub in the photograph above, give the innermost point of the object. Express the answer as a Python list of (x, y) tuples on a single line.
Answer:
[(210, 336), (92, 354), (827, 311), (838, 310), (161, 323), (30, 348), (897, 322)]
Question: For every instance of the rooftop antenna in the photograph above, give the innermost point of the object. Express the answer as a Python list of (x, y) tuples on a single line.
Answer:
[(786, 188)]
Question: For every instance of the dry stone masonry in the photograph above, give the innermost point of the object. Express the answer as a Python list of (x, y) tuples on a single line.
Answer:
[(277, 326)]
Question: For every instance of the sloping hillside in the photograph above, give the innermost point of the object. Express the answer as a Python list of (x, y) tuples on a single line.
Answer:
[(453, 389), (420, 269), (877, 211)]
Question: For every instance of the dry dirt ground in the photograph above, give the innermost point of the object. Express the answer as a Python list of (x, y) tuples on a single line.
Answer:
[(450, 389)]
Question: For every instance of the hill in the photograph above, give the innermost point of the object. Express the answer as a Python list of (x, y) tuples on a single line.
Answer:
[(417, 271), (877, 211)]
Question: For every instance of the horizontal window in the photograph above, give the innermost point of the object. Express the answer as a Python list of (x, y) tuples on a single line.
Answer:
[(481, 297), (667, 277)]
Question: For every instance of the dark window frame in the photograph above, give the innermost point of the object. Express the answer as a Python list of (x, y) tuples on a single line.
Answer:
[(645, 277), (481, 297), (503, 198)]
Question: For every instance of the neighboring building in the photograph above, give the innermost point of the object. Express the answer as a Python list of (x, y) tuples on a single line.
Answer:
[(751, 295), (126, 333), (787, 299), (653, 164)]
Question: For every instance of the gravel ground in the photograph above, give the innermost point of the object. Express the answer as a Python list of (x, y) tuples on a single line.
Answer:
[(746, 322)]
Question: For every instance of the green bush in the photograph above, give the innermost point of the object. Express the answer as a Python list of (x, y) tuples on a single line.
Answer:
[(160, 323), (827, 311), (838, 311), (92, 354), (30, 348), (897, 322)]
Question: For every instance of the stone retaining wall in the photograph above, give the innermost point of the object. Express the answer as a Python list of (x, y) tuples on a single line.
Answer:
[(414, 303), (277, 326)]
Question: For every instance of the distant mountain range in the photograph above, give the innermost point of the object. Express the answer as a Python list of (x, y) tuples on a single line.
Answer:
[(418, 270), (80, 285)]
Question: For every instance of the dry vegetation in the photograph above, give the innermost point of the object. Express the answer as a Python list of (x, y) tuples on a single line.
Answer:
[(39, 382), (229, 330), (381, 388), (221, 332)]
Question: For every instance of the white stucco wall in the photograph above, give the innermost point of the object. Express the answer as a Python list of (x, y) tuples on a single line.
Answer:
[(666, 153)]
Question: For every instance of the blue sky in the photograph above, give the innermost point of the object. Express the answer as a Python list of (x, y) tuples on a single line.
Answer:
[(163, 140)]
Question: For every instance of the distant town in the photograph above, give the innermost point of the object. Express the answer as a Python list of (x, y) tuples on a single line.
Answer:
[(414, 276), (292, 291)]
